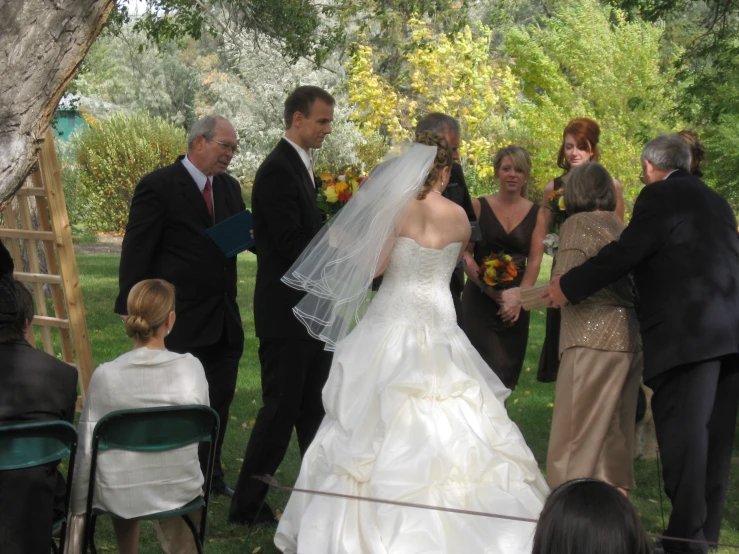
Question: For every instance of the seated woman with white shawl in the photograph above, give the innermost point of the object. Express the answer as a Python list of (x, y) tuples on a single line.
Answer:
[(134, 484)]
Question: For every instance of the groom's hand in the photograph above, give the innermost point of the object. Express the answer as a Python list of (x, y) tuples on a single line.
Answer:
[(553, 295)]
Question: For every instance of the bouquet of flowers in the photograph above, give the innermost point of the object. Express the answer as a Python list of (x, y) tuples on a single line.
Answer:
[(498, 271), (337, 190), (559, 214), (551, 243), (557, 205)]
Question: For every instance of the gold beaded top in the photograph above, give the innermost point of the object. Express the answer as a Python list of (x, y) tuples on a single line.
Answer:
[(606, 320)]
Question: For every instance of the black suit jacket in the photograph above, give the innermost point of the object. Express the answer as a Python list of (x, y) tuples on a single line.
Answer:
[(286, 218), (33, 387), (165, 239), (457, 192), (683, 248)]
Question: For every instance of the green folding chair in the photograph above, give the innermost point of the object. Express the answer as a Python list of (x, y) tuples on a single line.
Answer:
[(154, 430), (27, 445)]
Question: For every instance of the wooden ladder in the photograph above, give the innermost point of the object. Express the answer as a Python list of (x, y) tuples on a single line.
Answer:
[(44, 189)]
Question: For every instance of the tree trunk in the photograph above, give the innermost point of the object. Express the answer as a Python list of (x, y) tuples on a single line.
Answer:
[(41, 46)]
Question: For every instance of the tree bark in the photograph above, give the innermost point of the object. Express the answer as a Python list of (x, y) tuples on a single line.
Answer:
[(42, 44)]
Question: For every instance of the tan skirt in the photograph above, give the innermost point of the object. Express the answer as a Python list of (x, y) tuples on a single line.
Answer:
[(593, 425)]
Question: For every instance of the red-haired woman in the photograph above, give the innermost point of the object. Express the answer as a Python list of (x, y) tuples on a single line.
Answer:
[(579, 145)]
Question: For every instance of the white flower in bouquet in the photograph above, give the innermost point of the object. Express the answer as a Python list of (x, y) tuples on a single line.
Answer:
[(551, 241)]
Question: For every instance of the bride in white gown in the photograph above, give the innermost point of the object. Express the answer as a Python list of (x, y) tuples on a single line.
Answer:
[(413, 414)]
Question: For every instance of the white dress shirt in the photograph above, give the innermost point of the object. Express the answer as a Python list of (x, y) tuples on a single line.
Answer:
[(306, 157), (199, 177)]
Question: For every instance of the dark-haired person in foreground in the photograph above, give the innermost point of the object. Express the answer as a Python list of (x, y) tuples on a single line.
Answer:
[(166, 238), (34, 386), (683, 249), (587, 516), (294, 364)]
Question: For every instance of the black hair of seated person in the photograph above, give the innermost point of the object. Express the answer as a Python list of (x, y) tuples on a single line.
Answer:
[(16, 329), (9, 306), (587, 516)]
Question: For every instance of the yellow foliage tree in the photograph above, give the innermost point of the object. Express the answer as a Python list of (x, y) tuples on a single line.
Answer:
[(587, 61), (454, 74)]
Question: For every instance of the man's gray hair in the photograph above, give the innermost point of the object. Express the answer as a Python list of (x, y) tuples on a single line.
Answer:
[(205, 126), (441, 123), (667, 153)]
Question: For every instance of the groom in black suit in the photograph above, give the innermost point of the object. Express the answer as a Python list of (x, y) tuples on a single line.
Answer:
[(683, 249), (165, 239), (294, 365)]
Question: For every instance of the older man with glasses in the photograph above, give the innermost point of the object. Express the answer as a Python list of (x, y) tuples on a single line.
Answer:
[(166, 238)]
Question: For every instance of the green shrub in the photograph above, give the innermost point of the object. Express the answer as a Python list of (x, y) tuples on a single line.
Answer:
[(110, 158)]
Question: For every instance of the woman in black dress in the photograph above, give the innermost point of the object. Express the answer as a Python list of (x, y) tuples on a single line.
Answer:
[(579, 145), (511, 223)]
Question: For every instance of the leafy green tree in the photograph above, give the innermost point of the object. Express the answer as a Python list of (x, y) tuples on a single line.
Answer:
[(126, 69), (589, 60), (586, 60), (302, 28), (707, 31)]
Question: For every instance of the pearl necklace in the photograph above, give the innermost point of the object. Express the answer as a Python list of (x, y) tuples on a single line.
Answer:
[(436, 191)]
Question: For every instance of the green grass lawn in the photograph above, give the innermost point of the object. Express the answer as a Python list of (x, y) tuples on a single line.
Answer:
[(529, 406)]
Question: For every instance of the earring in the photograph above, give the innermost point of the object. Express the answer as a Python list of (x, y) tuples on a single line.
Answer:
[(168, 330)]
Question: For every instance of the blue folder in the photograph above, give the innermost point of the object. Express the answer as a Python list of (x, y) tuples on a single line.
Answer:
[(233, 235)]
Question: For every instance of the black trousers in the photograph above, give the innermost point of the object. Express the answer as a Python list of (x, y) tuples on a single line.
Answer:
[(456, 287), (293, 375), (27, 502), (221, 364), (695, 409)]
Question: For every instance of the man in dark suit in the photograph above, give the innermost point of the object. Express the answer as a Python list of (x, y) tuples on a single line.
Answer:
[(683, 248), (166, 239), (456, 190), (294, 365), (34, 386)]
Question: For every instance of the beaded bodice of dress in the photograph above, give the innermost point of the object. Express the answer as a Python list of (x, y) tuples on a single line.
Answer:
[(415, 286)]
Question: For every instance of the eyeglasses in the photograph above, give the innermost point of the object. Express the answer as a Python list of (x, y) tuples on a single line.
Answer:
[(226, 147)]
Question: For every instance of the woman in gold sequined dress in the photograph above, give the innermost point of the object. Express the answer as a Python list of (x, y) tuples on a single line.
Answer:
[(600, 347), (579, 145)]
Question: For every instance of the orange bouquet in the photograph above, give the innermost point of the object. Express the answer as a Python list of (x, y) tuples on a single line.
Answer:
[(337, 190), (498, 270), (557, 205)]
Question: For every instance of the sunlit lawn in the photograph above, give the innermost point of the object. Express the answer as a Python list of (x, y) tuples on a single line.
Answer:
[(529, 407)]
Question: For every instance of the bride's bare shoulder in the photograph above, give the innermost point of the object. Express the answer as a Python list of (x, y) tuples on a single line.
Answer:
[(455, 216)]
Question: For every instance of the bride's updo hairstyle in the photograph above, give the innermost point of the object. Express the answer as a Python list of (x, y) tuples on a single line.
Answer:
[(149, 304), (590, 188), (444, 158), (586, 133)]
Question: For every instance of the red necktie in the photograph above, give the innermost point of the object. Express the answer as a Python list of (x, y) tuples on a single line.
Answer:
[(208, 198)]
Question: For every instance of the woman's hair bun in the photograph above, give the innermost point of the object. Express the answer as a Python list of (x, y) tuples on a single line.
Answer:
[(137, 327)]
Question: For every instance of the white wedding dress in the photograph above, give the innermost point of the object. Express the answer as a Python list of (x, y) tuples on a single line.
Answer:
[(413, 414)]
